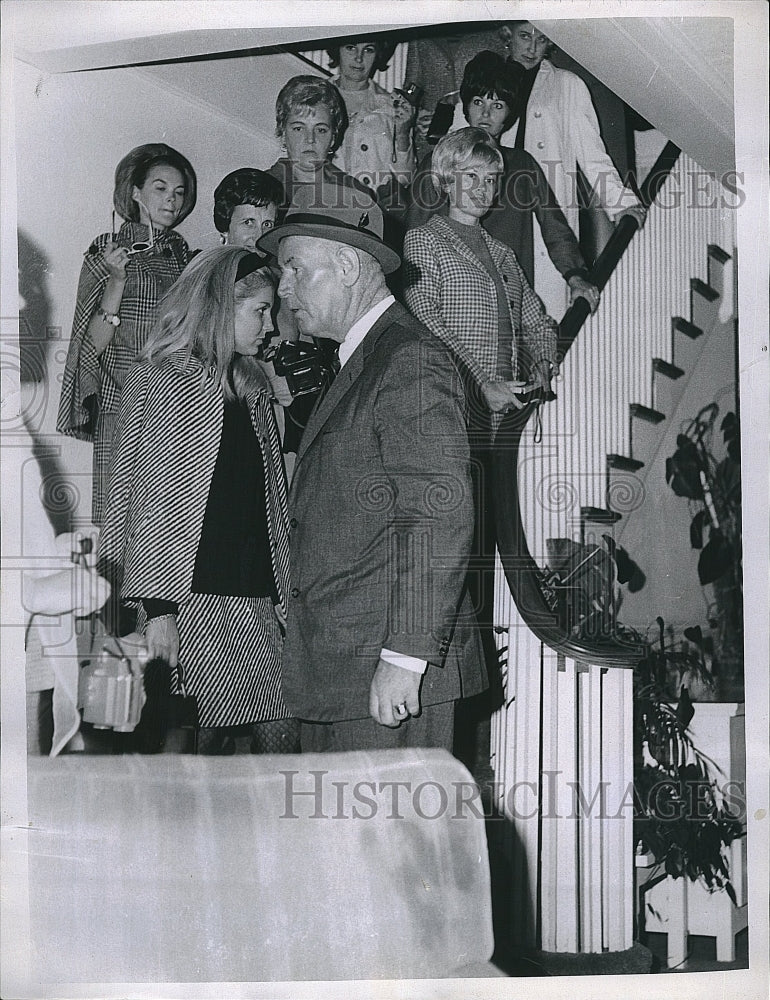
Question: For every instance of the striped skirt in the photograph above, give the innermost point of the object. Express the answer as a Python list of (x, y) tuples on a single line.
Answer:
[(230, 652)]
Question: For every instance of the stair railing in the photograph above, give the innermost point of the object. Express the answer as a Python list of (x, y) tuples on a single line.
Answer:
[(526, 580)]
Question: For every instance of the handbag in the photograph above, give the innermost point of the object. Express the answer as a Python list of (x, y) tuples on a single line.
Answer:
[(169, 722), (111, 692)]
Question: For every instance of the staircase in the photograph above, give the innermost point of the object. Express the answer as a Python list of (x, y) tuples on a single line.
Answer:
[(562, 741)]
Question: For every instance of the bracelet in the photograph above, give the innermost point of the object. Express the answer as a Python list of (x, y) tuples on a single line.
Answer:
[(112, 318), (160, 618)]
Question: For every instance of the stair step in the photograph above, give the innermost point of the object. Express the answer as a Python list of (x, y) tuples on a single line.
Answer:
[(666, 368), (624, 463), (720, 255), (666, 386), (696, 285), (644, 431), (624, 490), (716, 268), (686, 327), (646, 413), (599, 515)]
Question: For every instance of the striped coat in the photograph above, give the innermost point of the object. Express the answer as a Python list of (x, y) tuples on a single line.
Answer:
[(449, 290), (166, 446)]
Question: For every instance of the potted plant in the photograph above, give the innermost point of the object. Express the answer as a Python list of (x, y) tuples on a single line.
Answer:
[(713, 488), (680, 818)]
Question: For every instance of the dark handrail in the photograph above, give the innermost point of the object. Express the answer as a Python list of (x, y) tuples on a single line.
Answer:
[(522, 572)]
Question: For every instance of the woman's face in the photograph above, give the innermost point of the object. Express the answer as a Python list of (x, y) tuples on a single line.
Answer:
[(527, 45), (474, 190), (162, 196), (488, 113), (308, 136), (357, 62), (252, 321), (248, 223)]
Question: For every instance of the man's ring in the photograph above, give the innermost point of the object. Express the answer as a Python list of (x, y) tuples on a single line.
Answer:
[(401, 709)]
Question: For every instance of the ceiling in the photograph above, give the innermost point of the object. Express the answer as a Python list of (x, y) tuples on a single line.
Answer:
[(677, 72)]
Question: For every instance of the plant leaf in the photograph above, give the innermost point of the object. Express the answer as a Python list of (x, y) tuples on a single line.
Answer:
[(696, 529), (683, 470), (684, 710), (695, 636), (715, 559)]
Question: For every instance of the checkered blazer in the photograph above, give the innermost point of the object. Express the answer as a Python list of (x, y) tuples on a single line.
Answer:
[(448, 288)]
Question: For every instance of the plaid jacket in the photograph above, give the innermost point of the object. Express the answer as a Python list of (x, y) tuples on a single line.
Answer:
[(448, 289), (92, 384)]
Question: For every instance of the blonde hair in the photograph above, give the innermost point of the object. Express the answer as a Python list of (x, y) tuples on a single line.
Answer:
[(197, 316), (457, 150)]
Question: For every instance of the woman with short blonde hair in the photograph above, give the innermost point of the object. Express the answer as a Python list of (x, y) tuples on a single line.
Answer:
[(468, 288)]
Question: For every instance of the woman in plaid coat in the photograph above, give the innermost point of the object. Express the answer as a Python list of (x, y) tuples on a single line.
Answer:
[(468, 288), (196, 519), (121, 281)]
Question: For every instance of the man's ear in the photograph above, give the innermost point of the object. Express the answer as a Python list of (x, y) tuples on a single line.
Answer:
[(348, 265)]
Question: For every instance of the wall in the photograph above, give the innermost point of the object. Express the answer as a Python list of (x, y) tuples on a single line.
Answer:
[(657, 535), (72, 129)]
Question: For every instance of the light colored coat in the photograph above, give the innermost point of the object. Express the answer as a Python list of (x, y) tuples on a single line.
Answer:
[(368, 151), (562, 133)]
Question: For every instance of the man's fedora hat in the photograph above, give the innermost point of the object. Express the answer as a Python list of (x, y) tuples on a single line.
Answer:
[(357, 223)]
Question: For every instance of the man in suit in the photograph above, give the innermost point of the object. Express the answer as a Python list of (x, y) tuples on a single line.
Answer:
[(380, 639)]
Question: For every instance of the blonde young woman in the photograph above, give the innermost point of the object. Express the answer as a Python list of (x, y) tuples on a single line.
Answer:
[(196, 518)]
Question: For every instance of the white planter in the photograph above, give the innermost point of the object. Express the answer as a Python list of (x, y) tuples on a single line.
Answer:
[(678, 907)]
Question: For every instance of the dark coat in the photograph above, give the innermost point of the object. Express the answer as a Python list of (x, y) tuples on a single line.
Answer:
[(381, 512)]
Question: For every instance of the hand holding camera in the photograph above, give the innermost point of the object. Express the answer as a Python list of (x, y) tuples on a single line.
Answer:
[(304, 367)]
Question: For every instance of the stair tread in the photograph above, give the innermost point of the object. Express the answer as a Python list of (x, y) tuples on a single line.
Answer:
[(624, 463), (715, 251), (646, 413), (685, 326), (697, 285), (667, 368), (599, 515)]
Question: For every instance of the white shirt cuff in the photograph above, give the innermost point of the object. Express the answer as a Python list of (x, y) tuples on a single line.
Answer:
[(413, 663)]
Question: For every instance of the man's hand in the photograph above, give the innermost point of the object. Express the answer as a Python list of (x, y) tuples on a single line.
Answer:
[(394, 694), (580, 288)]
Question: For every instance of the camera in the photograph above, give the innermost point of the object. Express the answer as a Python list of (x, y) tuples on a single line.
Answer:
[(304, 367)]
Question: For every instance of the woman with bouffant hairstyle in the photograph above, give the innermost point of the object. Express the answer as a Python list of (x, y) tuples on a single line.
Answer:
[(377, 148), (123, 276), (196, 523)]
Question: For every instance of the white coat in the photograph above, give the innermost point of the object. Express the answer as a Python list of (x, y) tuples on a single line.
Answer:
[(562, 132)]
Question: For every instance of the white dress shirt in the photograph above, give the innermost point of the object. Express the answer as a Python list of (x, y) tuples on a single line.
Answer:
[(353, 338)]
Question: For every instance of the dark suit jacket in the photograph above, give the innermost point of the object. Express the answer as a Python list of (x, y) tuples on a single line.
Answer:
[(381, 511)]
